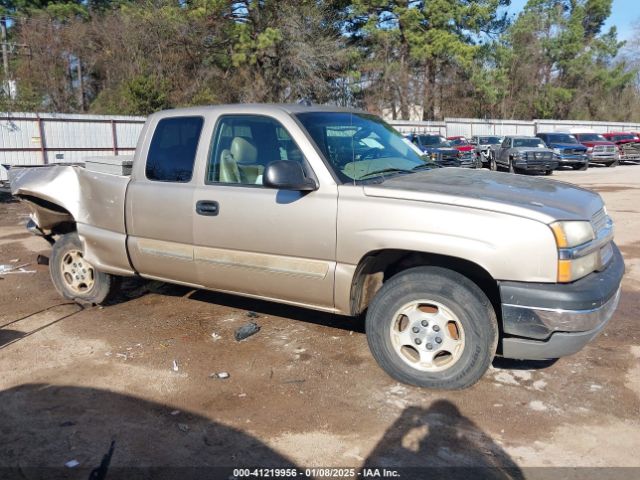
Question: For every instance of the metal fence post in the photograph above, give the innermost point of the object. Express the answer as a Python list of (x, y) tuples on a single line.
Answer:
[(43, 148), (114, 136)]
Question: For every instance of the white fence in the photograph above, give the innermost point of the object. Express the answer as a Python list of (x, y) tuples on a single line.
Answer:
[(41, 139), (469, 127)]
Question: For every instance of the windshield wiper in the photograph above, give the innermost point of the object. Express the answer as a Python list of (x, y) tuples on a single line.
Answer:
[(385, 170), (426, 166)]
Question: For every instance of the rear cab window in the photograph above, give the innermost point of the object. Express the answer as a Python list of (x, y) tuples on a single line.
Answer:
[(173, 149)]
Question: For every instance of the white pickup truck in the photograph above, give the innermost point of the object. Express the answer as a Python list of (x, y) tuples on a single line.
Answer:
[(331, 209)]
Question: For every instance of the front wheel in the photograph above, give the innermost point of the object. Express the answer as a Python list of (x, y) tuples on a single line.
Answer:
[(493, 166), (512, 168), (75, 278), (432, 327)]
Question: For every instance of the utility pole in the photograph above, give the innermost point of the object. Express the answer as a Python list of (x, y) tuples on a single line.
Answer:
[(5, 49)]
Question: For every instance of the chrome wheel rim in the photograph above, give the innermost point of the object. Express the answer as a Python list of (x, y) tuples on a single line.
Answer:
[(77, 273), (427, 336)]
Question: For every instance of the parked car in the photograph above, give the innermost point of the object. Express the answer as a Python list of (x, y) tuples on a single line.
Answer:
[(485, 146), (527, 154), (332, 210), (466, 149), (438, 148), (566, 149), (599, 149), (628, 144)]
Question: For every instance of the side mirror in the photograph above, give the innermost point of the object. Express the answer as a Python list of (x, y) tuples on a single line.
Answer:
[(287, 175)]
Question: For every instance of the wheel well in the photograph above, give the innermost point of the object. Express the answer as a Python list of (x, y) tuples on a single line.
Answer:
[(377, 267), (64, 221)]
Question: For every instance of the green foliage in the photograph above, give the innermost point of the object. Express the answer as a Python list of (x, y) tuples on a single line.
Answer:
[(403, 58)]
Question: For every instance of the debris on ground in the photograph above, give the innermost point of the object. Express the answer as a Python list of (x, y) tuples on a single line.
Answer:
[(215, 336), (42, 260), (251, 314), (68, 423), (175, 366), (72, 463), (222, 375), (183, 427), (175, 412), (6, 268), (247, 330)]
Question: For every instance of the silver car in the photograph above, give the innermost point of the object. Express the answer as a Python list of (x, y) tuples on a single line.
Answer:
[(524, 154)]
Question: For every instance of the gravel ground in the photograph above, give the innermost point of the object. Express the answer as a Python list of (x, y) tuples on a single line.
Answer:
[(302, 392)]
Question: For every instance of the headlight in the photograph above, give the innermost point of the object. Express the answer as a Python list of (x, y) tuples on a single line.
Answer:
[(570, 234), (589, 149), (557, 150)]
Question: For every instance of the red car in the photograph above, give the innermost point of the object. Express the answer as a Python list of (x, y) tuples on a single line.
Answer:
[(466, 149), (599, 149), (628, 144)]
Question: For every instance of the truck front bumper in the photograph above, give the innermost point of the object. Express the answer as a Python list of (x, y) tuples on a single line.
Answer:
[(542, 321)]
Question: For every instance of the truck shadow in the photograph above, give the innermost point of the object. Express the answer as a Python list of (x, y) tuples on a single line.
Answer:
[(45, 426), (136, 287)]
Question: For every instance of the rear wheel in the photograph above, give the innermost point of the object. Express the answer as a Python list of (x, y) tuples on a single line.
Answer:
[(432, 327), (75, 278)]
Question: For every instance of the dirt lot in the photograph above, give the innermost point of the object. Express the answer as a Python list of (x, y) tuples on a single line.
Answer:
[(302, 392)]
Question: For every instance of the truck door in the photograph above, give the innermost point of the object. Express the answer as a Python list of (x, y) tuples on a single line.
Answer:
[(260, 241), (159, 201)]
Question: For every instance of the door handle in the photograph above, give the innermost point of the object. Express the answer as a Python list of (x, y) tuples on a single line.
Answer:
[(207, 207)]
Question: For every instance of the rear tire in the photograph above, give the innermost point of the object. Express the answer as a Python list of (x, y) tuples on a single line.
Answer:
[(450, 332), (75, 278)]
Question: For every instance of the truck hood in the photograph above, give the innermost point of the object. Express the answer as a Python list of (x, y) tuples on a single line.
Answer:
[(535, 198), (594, 143), (568, 146)]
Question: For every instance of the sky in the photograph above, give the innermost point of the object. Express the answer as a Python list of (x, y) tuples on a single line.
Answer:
[(624, 13)]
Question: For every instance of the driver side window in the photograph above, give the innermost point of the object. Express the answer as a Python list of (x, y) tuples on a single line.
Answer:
[(242, 147), (506, 143)]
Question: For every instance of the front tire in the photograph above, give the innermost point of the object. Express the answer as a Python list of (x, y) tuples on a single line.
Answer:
[(512, 169), (432, 327), (493, 166), (75, 278)]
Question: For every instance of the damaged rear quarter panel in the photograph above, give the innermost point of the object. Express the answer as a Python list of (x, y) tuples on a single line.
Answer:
[(94, 200)]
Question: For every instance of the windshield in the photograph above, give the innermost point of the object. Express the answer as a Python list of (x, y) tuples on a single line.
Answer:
[(359, 146), (562, 138), (433, 141), (459, 141), (629, 136), (591, 137), (528, 142), (490, 140)]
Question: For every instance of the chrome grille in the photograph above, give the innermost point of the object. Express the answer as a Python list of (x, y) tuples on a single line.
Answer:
[(599, 220), (604, 148)]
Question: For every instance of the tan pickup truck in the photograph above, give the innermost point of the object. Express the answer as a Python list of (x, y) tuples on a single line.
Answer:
[(332, 209)]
